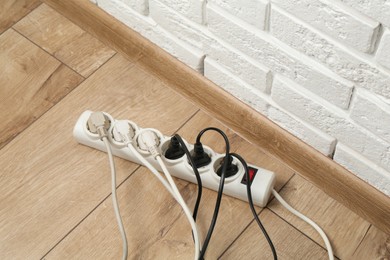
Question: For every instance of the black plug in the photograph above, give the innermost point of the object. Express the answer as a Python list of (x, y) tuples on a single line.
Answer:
[(174, 151), (200, 157), (231, 168)]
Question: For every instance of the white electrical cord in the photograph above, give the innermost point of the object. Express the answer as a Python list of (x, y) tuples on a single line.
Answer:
[(171, 188), (307, 220), (115, 199), (151, 168), (148, 139), (183, 205)]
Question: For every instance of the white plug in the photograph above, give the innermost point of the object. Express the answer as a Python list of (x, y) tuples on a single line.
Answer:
[(98, 123), (123, 131), (148, 141)]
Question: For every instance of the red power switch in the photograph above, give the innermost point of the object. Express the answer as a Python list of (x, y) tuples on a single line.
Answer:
[(252, 173)]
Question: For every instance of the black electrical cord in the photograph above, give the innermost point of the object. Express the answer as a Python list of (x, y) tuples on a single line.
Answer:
[(220, 189), (197, 175), (250, 200)]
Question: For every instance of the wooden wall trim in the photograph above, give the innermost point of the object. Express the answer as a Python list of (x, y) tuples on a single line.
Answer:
[(333, 179)]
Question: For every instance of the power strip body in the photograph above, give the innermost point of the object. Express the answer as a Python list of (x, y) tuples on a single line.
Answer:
[(262, 181)]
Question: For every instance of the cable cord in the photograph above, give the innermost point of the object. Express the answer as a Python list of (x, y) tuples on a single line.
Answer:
[(197, 175), (183, 205), (115, 199), (307, 220), (251, 205), (152, 169), (220, 188), (152, 146)]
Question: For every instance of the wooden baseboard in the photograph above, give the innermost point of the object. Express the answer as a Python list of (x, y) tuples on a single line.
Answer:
[(333, 179)]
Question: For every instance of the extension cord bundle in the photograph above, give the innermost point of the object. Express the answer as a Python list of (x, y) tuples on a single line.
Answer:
[(141, 143)]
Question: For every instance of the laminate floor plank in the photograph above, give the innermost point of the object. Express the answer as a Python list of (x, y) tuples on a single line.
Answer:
[(150, 216), (13, 10), (64, 40), (374, 245), (49, 183), (31, 82), (289, 242), (344, 228)]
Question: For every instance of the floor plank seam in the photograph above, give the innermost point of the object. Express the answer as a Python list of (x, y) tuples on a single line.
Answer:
[(361, 241), (89, 213), (239, 235), (37, 118), (11, 26), (40, 47), (284, 185), (189, 119), (290, 224), (281, 188)]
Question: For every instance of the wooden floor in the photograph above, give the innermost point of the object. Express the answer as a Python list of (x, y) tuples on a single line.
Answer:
[(55, 194)]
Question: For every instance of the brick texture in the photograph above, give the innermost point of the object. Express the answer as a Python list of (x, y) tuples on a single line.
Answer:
[(279, 57), (336, 21), (377, 9), (352, 66), (246, 68), (363, 168), (177, 24), (141, 6), (331, 120), (371, 112), (306, 132), (383, 53), (220, 76), (252, 12), (191, 9)]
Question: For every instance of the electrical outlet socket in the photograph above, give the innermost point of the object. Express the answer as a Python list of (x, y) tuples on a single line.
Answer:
[(261, 185)]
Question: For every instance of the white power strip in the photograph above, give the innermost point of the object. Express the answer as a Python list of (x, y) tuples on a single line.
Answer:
[(262, 181)]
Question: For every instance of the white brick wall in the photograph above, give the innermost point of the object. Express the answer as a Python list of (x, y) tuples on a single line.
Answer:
[(367, 110), (279, 57), (254, 12), (222, 77), (246, 68), (377, 9), (350, 65), (331, 120), (191, 9), (343, 23), (318, 68), (383, 53), (264, 104), (306, 132), (362, 167), (141, 6)]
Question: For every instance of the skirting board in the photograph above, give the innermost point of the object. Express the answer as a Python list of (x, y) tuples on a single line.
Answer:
[(332, 178)]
